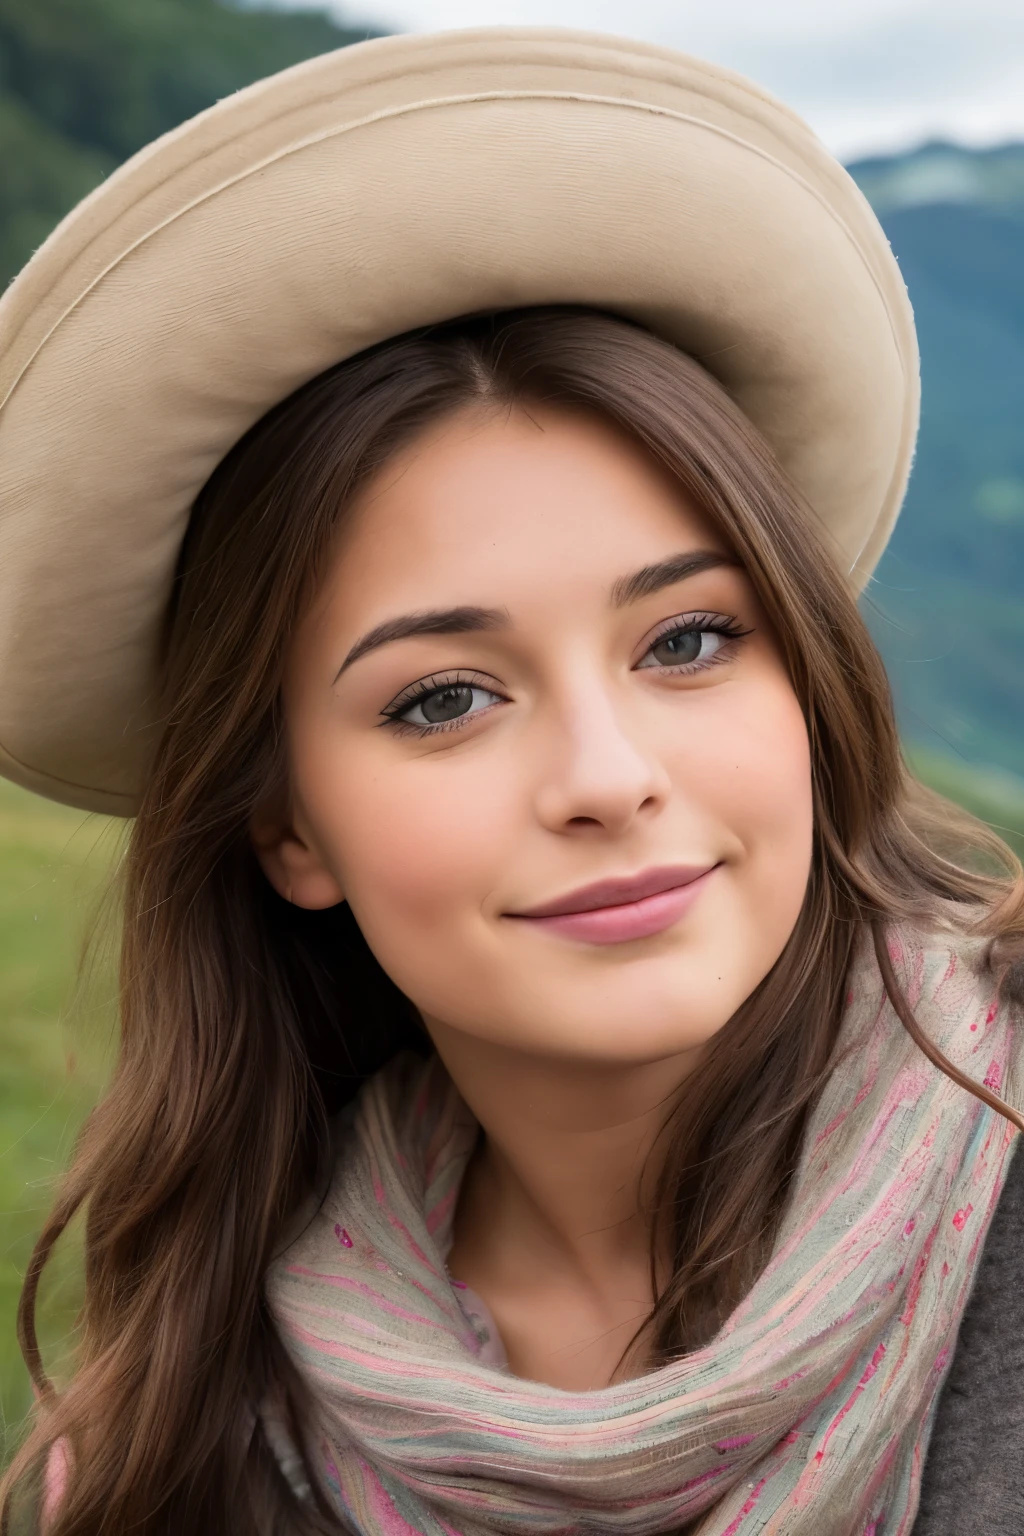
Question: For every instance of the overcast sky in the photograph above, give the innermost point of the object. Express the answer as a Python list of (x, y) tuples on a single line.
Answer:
[(867, 74)]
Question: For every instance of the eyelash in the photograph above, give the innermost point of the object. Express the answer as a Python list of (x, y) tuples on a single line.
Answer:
[(422, 690), (706, 623)]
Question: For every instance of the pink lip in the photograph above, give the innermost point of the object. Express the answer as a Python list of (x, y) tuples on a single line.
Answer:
[(614, 911)]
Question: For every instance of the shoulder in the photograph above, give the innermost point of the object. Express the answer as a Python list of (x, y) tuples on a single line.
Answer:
[(964, 987), (974, 1469)]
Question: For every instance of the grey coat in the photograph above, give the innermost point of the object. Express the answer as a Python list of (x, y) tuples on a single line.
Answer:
[(973, 1479)]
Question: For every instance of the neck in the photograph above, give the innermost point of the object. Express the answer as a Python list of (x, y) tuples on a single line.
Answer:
[(569, 1152)]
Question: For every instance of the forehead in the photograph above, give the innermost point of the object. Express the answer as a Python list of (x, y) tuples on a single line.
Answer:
[(496, 506)]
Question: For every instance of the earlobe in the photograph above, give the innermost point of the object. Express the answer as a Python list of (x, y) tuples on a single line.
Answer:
[(293, 867)]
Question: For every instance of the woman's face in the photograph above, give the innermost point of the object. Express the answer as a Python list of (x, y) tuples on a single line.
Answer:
[(543, 742)]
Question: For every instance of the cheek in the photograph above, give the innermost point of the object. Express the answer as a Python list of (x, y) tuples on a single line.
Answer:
[(758, 787), (415, 847)]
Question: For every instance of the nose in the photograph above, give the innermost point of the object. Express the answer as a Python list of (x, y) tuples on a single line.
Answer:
[(601, 772)]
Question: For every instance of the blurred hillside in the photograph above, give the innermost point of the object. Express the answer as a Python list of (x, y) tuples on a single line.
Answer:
[(84, 83), (55, 1042), (952, 580)]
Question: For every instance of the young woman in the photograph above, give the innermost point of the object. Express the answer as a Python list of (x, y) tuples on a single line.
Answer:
[(567, 1065)]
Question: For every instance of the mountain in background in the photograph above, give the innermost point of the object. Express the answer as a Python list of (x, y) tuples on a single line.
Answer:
[(84, 83), (951, 584)]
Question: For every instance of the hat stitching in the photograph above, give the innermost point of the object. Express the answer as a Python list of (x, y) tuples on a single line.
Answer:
[(627, 55), (390, 113), (624, 55)]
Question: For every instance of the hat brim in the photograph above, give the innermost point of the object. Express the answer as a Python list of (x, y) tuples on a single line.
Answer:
[(389, 185)]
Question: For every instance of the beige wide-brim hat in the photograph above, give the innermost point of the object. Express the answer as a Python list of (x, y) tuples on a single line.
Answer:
[(369, 191)]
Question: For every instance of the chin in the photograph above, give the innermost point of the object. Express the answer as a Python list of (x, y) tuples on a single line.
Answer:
[(668, 1005), (630, 1031)]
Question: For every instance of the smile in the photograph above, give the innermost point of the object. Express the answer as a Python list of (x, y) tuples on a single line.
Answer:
[(615, 911)]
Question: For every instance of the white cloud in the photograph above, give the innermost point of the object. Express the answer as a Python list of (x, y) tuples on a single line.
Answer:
[(866, 74)]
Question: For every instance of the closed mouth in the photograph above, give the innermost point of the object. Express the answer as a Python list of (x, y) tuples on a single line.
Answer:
[(618, 892)]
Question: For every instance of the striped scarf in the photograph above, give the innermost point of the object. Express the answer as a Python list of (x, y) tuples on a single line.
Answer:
[(810, 1411)]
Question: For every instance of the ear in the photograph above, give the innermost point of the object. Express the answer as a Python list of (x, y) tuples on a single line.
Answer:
[(293, 867)]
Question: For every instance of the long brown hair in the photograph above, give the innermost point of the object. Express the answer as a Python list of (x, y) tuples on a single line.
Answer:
[(246, 1023)]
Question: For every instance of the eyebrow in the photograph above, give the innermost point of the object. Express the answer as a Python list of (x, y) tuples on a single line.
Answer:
[(652, 578), (435, 621), (467, 620)]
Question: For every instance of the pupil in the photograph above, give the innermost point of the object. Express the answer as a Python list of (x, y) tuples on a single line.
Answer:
[(684, 645), (447, 703)]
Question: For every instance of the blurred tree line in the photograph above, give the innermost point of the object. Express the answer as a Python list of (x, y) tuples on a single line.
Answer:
[(85, 83)]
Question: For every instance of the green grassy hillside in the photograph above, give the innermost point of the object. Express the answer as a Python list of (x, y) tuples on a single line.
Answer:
[(53, 1043)]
